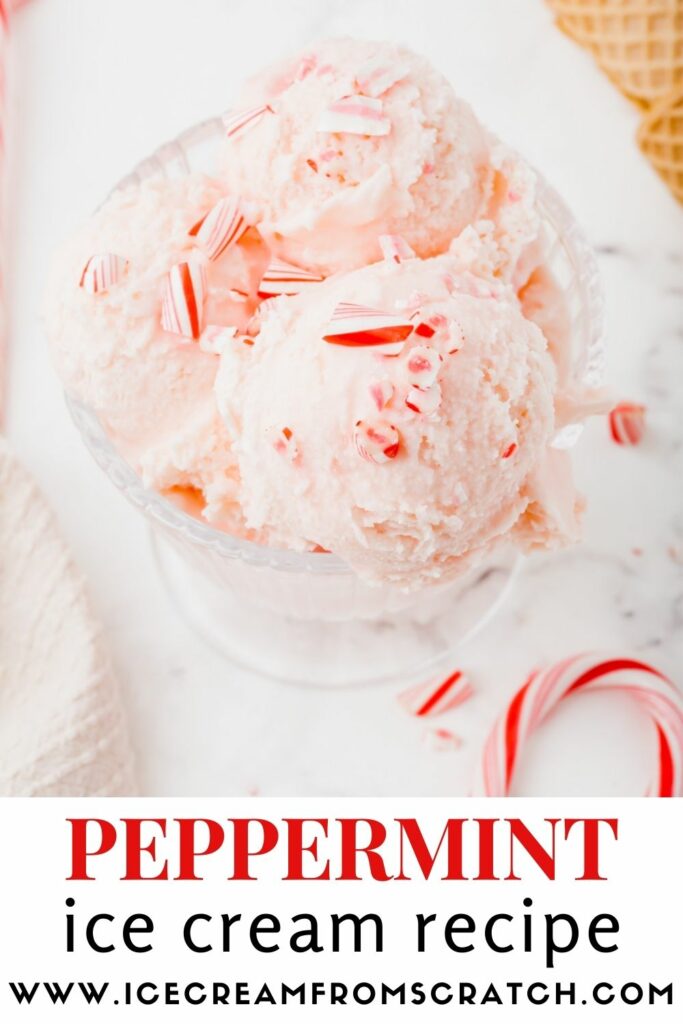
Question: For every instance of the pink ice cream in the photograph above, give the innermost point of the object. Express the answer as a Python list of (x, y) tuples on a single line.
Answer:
[(410, 436), (409, 465), (359, 139), (151, 388)]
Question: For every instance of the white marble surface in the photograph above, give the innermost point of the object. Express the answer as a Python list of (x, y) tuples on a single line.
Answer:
[(99, 85)]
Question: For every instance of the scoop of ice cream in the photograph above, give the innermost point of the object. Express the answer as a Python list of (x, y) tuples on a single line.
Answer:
[(399, 416), (152, 388), (354, 139)]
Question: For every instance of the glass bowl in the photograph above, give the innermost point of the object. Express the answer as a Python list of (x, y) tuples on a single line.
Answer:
[(307, 618)]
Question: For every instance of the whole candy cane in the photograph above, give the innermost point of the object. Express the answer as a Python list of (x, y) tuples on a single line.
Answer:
[(543, 691)]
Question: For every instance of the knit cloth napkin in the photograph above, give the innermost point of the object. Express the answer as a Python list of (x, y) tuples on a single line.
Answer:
[(62, 730)]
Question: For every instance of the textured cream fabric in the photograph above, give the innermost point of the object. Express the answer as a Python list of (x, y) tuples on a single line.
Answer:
[(62, 731)]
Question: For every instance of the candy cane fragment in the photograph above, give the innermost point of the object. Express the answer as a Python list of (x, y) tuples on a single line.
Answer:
[(375, 78), (182, 302), (282, 440), (434, 697), (283, 278), (381, 393), (545, 689), (376, 441), (395, 248), (221, 227), (357, 115), (102, 272), (354, 325), (240, 121), (627, 423), (440, 740), (424, 400), (422, 366)]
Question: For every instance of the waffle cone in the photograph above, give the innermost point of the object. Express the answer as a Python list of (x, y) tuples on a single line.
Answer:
[(660, 137), (638, 43)]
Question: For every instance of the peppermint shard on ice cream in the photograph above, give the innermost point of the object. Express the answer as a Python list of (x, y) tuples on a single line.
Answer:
[(137, 302), (352, 140), (417, 404)]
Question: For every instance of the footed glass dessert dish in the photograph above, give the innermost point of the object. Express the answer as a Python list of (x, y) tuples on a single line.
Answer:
[(307, 618)]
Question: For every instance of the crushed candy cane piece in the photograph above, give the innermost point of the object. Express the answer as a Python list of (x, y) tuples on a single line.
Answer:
[(283, 278), (378, 441), (456, 336), (422, 366), (509, 451), (221, 227), (237, 122), (425, 330), (424, 400), (428, 328), (627, 423), (381, 392), (215, 337), (283, 442), (355, 325), (394, 248), (441, 739), (375, 78), (357, 115), (307, 64), (182, 303), (102, 272), (433, 698)]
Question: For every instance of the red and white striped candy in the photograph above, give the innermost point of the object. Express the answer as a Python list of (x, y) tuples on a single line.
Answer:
[(627, 423), (215, 337), (424, 400), (436, 696), (238, 121), (102, 272), (545, 689), (381, 392), (428, 328), (395, 248), (221, 227), (357, 326), (422, 366), (376, 441), (375, 78), (283, 278), (357, 115), (182, 301)]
